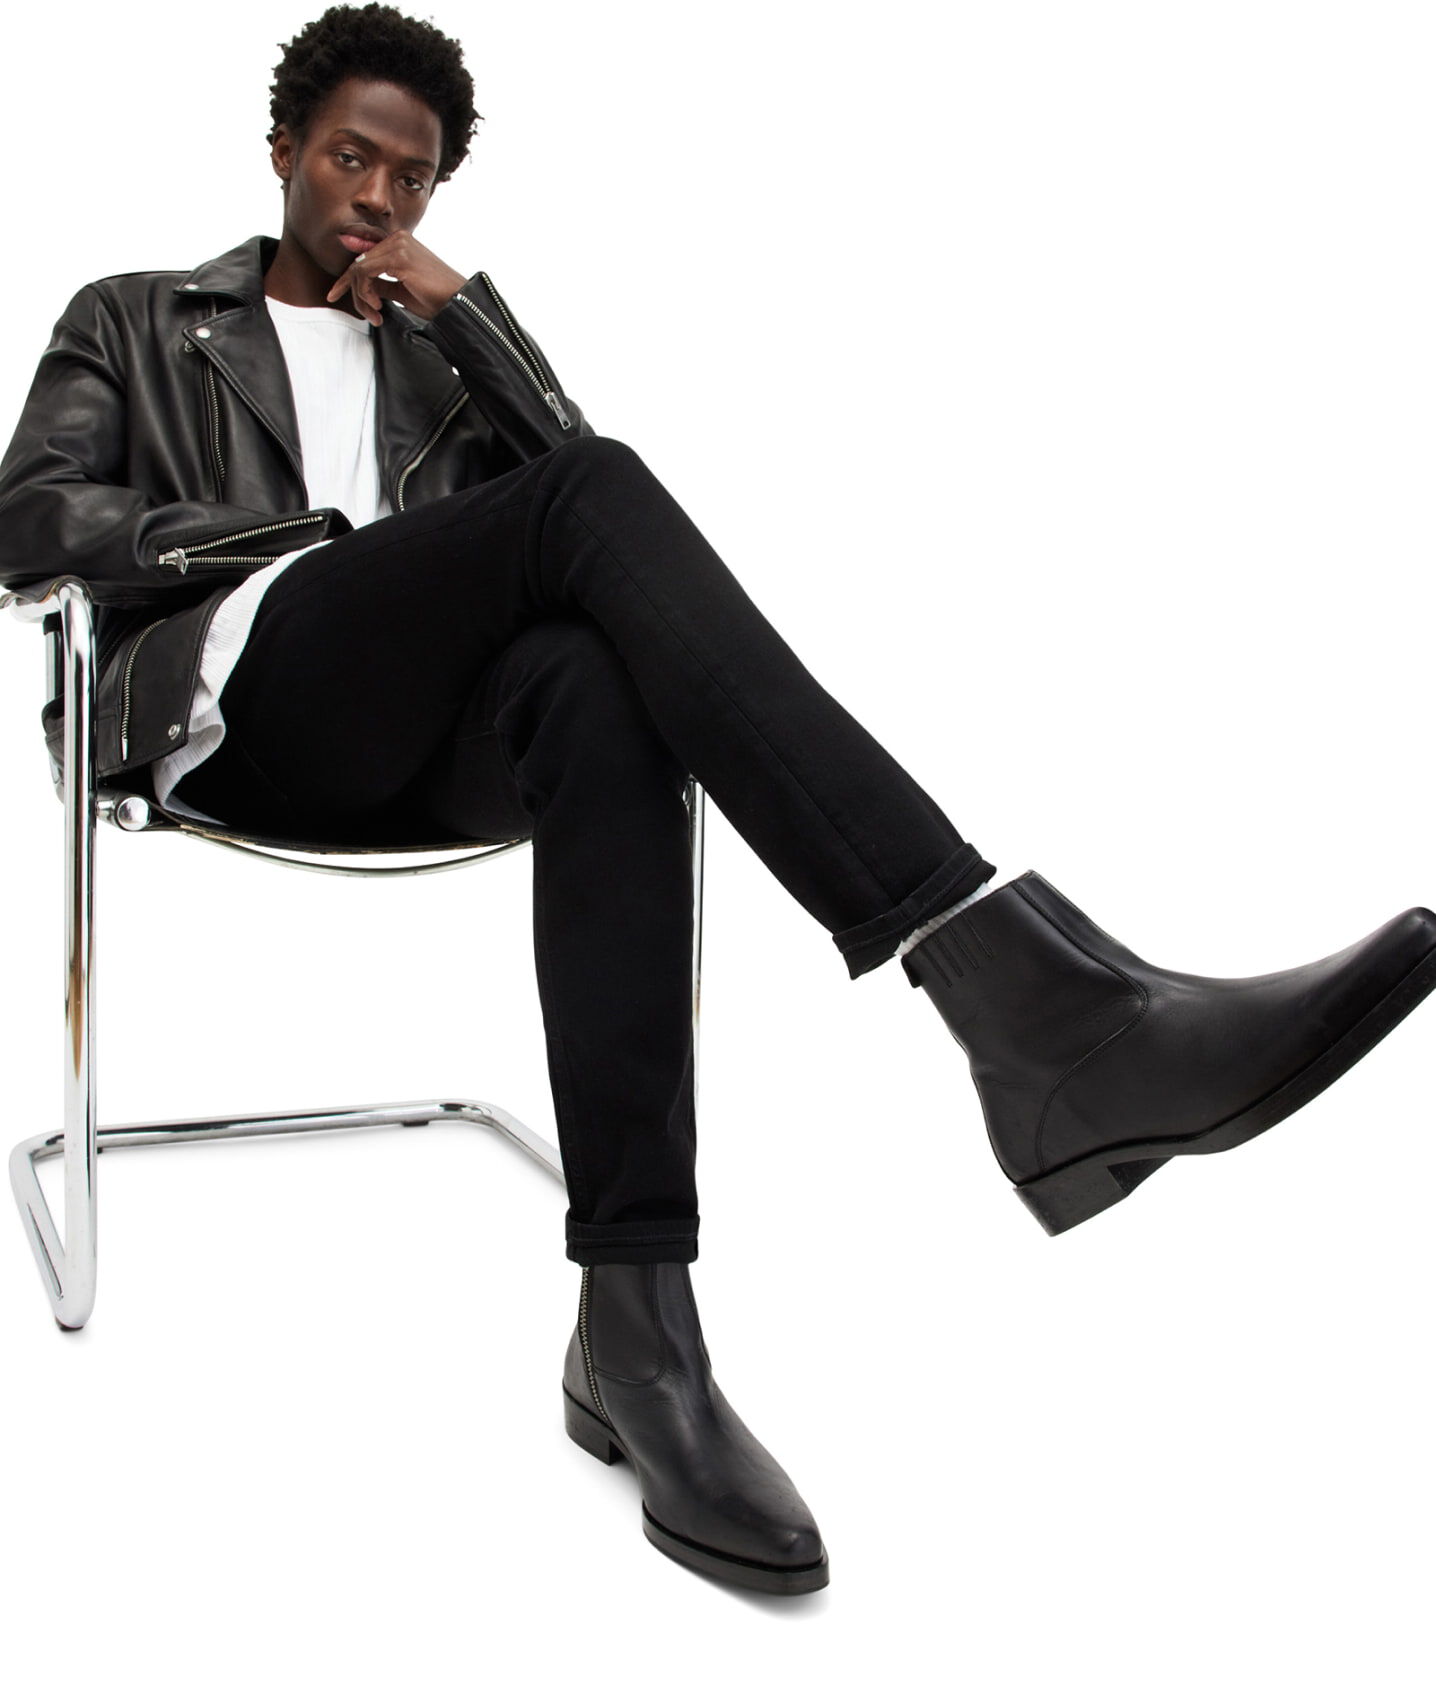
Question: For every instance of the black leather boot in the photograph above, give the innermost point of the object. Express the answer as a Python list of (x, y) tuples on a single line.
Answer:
[(638, 1384), (1094, 1067)]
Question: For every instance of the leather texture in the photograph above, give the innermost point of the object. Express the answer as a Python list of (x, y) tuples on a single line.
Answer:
[(1077, 1045), (161, 417), (705, 1477)]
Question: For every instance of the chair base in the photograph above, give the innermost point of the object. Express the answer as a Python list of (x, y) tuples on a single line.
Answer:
[(68, 1274)]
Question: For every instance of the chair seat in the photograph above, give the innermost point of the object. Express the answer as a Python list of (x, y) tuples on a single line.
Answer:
[(163, 819)]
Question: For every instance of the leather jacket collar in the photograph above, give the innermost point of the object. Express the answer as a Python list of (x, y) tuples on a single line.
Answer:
[(416, 385)]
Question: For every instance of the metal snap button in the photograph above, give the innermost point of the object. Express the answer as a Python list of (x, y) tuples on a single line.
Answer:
[(202, 331), (191, 286), (174, 731)]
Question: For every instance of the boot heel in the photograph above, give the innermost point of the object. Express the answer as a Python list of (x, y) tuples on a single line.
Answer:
[(585, 1428), (1068, 1196)]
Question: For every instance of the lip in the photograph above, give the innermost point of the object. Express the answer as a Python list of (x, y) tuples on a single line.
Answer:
[(360, 238)]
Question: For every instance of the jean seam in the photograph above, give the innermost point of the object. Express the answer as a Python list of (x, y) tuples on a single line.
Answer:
[(574, 1177)]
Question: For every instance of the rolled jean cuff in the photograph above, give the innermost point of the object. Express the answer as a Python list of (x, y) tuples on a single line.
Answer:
[(632, 1242), (871, 944)]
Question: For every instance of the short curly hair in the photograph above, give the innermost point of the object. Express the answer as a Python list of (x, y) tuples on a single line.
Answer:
[(377, 42)]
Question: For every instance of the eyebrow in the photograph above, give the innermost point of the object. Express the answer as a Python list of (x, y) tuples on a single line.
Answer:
[(367, 142)]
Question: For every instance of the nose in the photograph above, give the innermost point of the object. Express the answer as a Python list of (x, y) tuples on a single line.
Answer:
[(371, 196)]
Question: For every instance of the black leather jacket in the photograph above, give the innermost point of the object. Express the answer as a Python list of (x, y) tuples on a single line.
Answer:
[(157, 457)]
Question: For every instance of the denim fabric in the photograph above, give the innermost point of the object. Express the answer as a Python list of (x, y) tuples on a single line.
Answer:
[(552, 653)]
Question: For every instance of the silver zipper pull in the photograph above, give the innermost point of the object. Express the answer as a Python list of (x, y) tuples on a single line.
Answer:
[(175, 558), (551, 397)]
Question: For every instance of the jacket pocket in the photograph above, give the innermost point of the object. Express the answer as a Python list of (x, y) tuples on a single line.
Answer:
[(146, 688)]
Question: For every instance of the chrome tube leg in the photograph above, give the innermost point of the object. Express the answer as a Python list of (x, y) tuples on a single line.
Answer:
[(81, 1120), (695, 827), (68, 1266)]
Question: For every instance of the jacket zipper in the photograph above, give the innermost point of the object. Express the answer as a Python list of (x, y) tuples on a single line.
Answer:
[(535, 358), (181, 557), (433, 438), (531, 368), (583, 1341), (214, 431), (125, 687)]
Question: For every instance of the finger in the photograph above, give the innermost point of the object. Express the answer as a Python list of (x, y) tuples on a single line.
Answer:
[(341, 282)]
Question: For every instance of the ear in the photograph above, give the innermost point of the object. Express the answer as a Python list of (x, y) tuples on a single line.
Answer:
[(283, 153)]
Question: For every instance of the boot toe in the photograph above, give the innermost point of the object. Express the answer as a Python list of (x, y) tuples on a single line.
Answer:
[(1415, 931), (752, 1527), (786, 1535), (783, 1557), (799, 1546), (1346, 988)]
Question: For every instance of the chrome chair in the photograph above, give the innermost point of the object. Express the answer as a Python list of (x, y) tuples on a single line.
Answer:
[(68, 1265)]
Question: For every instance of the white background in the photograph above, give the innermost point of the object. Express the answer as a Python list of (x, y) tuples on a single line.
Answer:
[(1059, 380)]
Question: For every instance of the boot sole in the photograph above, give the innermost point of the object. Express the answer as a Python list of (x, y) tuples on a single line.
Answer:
[(1064, 1197), (602, 1442)]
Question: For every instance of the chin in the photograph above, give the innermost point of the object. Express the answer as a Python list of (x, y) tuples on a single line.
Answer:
[(321, 251)]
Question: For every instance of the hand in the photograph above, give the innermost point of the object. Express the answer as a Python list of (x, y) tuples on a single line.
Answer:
[(417, 278)]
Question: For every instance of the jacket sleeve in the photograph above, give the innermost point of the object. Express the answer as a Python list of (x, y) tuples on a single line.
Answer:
[(504, 371), (64, 506)]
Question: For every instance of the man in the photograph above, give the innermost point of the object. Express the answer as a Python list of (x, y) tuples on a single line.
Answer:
[(366, 571)]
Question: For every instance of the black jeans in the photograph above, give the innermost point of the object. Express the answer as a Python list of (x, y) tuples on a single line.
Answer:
[(551, 653)]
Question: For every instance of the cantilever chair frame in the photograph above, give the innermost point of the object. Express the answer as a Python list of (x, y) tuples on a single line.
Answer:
[(68, 1264)]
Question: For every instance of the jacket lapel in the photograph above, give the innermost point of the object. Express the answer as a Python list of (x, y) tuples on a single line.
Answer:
[(239, 338), (416, 388), (415, 384)]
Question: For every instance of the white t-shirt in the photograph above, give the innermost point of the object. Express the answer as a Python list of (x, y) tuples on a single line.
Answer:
[(331, 372)]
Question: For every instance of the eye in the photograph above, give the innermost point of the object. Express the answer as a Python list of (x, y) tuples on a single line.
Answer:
[(418, 182)]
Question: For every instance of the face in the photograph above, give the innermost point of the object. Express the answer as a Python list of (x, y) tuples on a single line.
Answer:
[(370, 158)]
